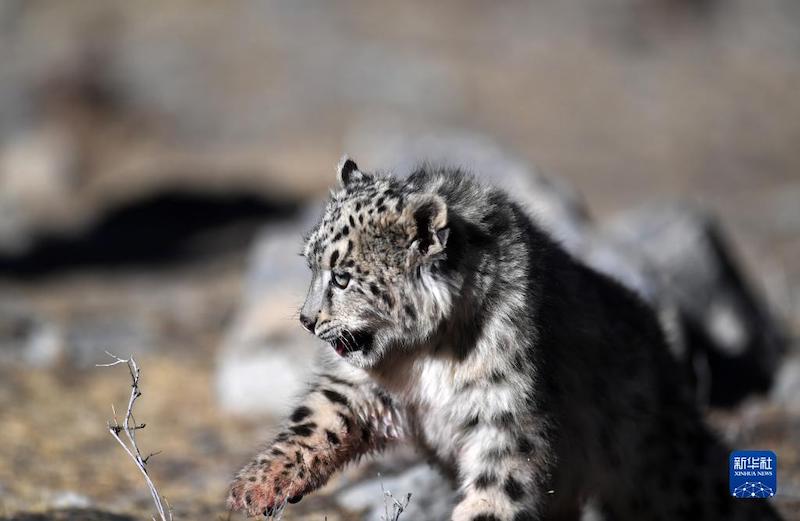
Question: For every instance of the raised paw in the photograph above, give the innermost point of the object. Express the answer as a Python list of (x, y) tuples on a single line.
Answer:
[(266, 485)]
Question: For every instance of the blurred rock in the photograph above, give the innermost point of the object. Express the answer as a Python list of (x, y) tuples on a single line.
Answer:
[(35, 185), (87, 146), (69, 499), (266, 357), (87, 338), (28, 339), (786, 390), (432, 497), (730, 333), (264, 376)]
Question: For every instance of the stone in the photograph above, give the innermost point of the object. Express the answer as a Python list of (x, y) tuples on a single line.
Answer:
[(731, 334), (266, 357), (69, 499), (432, 497), (89, 336), (28, 339), (36, 182), (786, 390)]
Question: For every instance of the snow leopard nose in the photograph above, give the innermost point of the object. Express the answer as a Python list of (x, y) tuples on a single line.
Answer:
[(309, 323)]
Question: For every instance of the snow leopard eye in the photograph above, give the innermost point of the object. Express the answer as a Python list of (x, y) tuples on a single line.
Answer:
[(341, 279)]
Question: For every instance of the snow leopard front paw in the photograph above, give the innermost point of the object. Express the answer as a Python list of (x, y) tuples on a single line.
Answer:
[(266, 485)]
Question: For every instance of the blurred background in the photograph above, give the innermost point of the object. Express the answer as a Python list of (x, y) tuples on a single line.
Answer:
[(159, 161)]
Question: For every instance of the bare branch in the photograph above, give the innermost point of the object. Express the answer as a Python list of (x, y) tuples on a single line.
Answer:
[(398, 507), (117, 360), (128, 428)]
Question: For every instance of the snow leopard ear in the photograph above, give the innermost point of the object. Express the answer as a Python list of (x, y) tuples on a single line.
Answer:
[(425, 219), (347, 173)]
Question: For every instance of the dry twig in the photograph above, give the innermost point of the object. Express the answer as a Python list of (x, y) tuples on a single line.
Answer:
[(398, 507), (128, 429)]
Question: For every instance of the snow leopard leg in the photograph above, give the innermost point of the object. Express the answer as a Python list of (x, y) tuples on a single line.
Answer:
[(337, 421), (502, 471)]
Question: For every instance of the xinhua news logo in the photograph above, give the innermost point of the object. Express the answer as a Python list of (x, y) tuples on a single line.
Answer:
[(753, 474)]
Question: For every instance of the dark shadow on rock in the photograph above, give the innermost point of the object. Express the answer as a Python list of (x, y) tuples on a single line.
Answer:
[(734, 342), (750, 370), (71, 514), (166, 227)]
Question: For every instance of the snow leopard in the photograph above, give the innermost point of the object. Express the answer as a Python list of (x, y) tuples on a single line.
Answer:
[(455, 323)]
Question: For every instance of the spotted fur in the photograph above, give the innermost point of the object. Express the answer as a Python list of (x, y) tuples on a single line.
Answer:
[(457, 324)]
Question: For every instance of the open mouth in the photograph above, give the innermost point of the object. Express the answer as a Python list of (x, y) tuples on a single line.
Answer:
[(352, 342)]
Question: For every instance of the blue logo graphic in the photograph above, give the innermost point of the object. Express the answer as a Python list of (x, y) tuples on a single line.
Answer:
[(753, 474)]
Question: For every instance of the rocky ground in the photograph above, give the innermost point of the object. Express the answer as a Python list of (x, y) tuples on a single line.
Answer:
[(158, 160)]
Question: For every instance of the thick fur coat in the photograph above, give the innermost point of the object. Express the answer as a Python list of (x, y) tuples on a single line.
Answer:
[(458, 325)]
